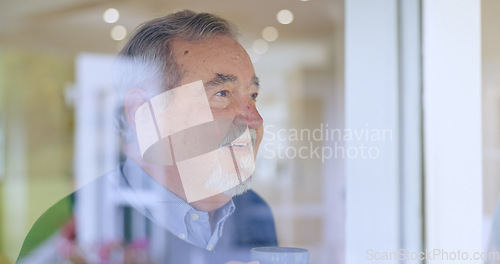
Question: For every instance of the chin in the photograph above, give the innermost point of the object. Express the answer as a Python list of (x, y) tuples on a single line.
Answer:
[(227, 182), (240, 188)]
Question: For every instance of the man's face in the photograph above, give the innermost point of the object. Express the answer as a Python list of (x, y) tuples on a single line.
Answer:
[(231, 88), (228, 76)]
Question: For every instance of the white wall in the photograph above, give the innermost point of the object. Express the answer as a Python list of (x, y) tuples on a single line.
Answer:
[(371, 102), (452, 122)]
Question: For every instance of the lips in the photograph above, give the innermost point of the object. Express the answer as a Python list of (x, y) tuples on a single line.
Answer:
[(243, 145), (239, 144), (241, 148)]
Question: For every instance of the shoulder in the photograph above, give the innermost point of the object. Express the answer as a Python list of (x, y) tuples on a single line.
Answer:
[(48, 224), (250, 205), (58, 218), (253, 221), (249, 197)]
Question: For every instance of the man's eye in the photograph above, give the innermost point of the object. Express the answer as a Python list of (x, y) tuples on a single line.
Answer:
[(223, 93), (254, 96)]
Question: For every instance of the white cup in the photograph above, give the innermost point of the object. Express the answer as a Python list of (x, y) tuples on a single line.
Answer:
[(280, 255)]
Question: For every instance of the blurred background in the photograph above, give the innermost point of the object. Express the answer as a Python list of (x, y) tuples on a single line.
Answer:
[(54, 97), (434, 183)]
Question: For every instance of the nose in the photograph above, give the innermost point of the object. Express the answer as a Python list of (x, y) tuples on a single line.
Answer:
[(248, 115)]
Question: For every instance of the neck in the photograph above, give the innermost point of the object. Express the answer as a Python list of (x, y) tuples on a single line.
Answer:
[(211, 204)]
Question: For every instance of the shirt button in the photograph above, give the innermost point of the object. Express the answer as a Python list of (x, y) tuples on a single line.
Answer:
[(210, 247), (182, 236), (195, 217)]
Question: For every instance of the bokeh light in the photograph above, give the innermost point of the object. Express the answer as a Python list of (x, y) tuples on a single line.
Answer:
[(118, 32), (260, 46), (285, 16), (111, 15), (270, 34)]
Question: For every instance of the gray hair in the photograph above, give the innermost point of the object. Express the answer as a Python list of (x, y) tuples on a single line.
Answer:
[(147, 61)]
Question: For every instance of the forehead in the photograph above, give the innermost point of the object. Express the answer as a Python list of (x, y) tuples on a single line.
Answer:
[(218, 54)]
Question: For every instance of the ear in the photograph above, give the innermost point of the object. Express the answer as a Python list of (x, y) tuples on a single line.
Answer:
[(134, 98)]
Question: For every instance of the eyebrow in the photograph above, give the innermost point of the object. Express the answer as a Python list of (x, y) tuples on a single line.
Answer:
[(256, 82), (220, 79)]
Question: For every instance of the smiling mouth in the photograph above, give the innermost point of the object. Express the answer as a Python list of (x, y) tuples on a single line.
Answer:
[(240, 144), (244, 141)]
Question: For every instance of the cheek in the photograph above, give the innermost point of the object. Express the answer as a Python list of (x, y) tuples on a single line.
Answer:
[(227, 112)]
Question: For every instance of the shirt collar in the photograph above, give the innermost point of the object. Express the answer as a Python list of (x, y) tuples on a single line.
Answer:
[(165, 208), (152, 195)]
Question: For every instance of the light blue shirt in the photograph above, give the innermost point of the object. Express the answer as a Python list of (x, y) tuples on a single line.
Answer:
[(171, 212)]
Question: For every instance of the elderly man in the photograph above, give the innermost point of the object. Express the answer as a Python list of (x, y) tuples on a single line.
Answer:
[(190, 130)]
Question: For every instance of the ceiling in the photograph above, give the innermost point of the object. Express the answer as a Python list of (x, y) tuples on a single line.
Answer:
[(77, 25)]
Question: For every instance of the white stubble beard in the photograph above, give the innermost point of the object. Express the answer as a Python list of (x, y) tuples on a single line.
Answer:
[(223, 181)]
